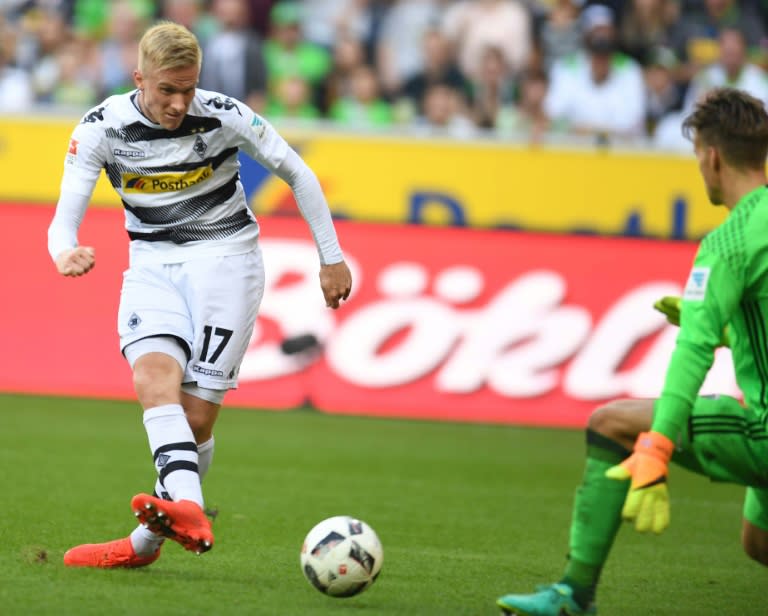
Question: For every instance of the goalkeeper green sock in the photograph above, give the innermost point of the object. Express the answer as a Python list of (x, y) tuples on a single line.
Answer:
[(596, 517)]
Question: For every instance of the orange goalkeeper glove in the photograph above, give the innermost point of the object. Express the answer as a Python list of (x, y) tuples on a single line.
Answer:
[(647, 501)]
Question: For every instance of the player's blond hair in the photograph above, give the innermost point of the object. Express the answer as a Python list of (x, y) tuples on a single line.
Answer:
[(168, 45)]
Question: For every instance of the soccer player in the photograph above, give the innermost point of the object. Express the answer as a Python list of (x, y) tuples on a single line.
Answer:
[(714, 436), (192, 291)]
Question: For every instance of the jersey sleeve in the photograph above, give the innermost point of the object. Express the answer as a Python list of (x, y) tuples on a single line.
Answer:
[(85, 158), (259, 139), (265, 145), (712, 293)]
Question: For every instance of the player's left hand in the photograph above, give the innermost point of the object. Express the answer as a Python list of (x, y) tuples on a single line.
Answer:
[(336, 283), (647, 502)]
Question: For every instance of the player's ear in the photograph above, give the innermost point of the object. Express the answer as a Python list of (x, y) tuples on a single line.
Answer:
[(138, 79), (715, 160)]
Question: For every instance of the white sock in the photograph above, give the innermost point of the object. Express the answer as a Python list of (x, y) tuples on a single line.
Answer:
[(144, 541), (174, 452), (204, 457)]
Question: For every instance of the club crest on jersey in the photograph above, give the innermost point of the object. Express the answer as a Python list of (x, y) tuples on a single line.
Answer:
[(696, 287), (165, 182), (200, 146)]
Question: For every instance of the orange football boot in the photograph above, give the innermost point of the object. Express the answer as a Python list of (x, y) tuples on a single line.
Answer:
[(109, 555), (183, 521)]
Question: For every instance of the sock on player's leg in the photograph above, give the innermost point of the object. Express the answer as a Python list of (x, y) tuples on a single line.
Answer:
[(596, 517), (174, 452), (144, 541), (205, 457)]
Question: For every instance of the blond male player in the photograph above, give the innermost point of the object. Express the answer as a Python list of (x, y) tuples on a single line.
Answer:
[(192, 291)]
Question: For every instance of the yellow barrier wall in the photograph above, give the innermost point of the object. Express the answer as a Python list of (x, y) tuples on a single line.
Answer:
[(436, 182)]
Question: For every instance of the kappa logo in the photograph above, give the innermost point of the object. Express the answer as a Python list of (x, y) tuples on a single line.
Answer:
[(225, 104), (165, 182), (129, 153), (96, 115)]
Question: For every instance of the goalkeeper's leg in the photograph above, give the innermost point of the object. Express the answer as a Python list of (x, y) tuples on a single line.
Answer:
[(611, 433)]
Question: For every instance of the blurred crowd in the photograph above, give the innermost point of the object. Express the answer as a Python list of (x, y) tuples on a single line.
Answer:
[(614, 71)]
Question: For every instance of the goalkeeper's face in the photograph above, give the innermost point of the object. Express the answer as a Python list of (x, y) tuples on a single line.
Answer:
[(710, 164), (166, 93)]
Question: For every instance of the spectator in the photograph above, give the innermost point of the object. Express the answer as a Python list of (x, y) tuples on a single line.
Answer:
[(493, 89), (364, 108), (292, 101), (598, 91), (233, 59), (560, 34), (41, 44), (259, 16), (527, 120), (76, 86), (731, 69), (348, 55), (663, 93), (16, 92), (118, 52), (696, 40), (289, 54), (439, 68), (399, 49), (646, 26), (444, 114), (190, 14), (474, 25), (322, 21)]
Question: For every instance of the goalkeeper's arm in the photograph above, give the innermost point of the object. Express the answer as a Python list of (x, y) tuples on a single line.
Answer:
[(669, 306)]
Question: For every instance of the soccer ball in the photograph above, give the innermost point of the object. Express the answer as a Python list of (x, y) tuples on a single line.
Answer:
[(341, 556)]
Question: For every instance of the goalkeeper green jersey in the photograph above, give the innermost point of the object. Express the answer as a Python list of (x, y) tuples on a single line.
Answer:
[(728, 285)]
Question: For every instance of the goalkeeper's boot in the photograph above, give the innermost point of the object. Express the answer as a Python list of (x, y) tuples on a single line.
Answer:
[(109, 555), (551, 600), (183, 521)]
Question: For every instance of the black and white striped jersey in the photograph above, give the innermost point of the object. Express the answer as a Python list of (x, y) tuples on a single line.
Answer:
[(181, 189)]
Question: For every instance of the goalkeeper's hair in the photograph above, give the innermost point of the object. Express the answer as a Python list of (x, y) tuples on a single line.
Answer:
[(168, 45), (735, 123)]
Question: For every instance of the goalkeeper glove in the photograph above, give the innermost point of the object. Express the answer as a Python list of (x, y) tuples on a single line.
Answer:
[(669, 306), (647, 501)]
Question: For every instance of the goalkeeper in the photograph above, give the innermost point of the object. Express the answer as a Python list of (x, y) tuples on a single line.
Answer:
[(631, 442)]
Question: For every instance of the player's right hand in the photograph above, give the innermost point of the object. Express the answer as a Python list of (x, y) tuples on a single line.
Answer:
[(76, 261), (647, 502)]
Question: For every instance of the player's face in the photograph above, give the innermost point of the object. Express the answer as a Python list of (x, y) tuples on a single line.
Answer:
[(166, 94), (709, 164)]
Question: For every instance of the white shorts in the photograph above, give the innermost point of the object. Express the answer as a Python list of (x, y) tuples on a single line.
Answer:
[(209, 305)]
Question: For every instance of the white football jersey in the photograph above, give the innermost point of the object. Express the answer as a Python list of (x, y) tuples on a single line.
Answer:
[(181, 189)]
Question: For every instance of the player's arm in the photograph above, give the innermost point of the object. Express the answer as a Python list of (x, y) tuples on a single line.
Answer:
[(669, 306), (70, 258), (82, 166), (265, 145), (710, 296)]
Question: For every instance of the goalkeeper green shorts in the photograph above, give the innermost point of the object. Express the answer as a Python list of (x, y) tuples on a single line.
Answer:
[(727, 442)]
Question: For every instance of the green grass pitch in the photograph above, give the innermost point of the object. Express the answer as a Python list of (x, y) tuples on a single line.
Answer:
[(465, 513)]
